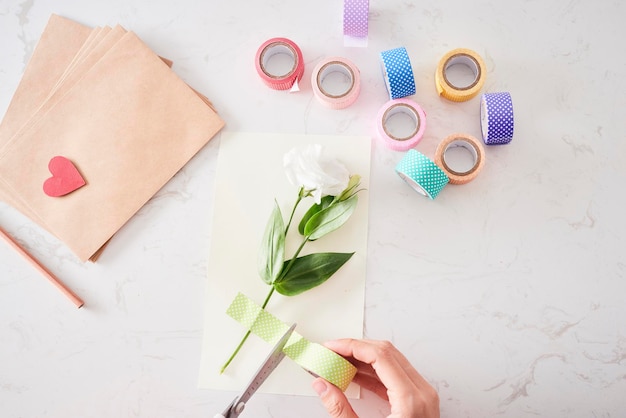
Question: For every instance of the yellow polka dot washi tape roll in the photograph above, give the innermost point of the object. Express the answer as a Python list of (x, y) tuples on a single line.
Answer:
[(456, 175), (314, 358), (460, 93)]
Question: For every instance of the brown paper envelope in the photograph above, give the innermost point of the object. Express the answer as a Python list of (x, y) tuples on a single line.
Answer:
[(97, 51), (97, 35), (53, 50), (60, 41), (129, 124)]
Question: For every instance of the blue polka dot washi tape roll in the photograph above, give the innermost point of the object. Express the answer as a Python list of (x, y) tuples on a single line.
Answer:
[(398, 73), (496, 118), (421, 173)]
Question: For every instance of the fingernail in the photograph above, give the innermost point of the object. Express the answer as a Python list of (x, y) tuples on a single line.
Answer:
[(320, 387)]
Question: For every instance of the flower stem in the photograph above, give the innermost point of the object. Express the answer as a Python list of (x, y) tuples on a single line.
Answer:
[(293, 211), (283, 273), (245, 337), (301, 194)]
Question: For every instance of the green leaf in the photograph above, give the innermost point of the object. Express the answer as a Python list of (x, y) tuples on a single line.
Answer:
[(272, 250), (351, 189), (310, 271), (329, 219), (324, 203)]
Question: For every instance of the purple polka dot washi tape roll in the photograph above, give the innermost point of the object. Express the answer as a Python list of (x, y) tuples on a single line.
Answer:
[(355, 22), (496, 118)]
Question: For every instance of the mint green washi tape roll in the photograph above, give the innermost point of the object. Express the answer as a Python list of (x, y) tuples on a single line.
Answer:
[(313, 357), (421, 173)]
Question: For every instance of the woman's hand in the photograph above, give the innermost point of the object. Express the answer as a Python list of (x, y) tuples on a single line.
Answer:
[(382, 369)]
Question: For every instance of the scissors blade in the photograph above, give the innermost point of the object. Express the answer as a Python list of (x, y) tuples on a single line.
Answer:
[(270, 363)]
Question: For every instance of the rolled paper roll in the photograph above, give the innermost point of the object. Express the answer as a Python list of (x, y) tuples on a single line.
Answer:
[(472, 145), (336, 99), (275, 46), (404, 106), (446, 88)]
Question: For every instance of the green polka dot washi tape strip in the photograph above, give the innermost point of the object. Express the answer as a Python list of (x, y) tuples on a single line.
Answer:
[(421, 173), (313, 357)]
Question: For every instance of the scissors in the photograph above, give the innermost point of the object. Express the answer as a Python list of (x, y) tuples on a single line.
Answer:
[(235, 408)]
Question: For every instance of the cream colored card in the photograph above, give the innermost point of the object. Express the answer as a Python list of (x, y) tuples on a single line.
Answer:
[(250, 176)]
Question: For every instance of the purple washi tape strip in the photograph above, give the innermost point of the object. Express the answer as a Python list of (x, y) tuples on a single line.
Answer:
[(355, 22), (496, 118)]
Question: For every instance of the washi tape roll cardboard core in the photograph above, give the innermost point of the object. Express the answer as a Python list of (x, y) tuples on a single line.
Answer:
[(455, 174), (271, 48), (496, 118), (331, 96), (397, 72), (395, 140), (421, 173), (460, 93)]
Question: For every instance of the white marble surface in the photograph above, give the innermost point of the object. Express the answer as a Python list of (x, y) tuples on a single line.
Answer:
[(507, 293)]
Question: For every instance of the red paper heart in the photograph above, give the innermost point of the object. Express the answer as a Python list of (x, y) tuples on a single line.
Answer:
[(65, 177)]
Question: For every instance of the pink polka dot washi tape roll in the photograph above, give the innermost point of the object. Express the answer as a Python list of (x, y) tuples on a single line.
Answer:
[(398, 141), (496, 118), (355, 22), (271, 48), (336, 97)]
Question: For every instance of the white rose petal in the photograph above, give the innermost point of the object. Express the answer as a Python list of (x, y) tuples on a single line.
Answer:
[(310, 168)]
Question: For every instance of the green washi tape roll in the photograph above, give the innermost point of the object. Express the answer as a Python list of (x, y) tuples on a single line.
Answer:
[(313, 357), (421, 173)]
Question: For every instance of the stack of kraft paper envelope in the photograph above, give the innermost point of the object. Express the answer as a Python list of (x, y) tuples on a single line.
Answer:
[(101, 99)]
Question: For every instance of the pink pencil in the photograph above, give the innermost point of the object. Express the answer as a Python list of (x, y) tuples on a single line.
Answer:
[(67, 292)]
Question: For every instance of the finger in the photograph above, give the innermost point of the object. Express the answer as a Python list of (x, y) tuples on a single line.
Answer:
[(404, 363), (362, 367), (410, 369), (333, 399), (382, 355), (373, 384)]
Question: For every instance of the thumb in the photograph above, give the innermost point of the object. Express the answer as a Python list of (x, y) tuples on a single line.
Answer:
[(333, 399)]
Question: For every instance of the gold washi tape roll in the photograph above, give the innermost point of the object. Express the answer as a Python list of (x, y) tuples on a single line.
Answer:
[(473, 145), (460, 93)]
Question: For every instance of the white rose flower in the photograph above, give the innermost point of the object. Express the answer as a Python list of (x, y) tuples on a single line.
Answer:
[(318, 174)]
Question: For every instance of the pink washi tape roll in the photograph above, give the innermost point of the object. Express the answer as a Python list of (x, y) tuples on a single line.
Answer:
[(271, 48), (329, 93), (398, 141)]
